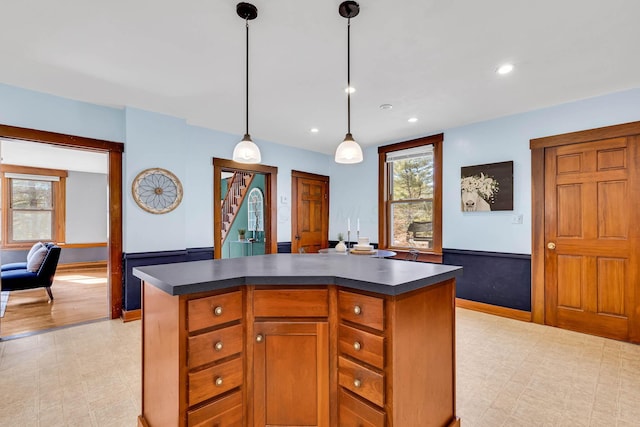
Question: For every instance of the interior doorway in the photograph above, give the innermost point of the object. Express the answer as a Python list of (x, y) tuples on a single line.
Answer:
[(246, 191), (309, 212), (586, 245), (113, 152)]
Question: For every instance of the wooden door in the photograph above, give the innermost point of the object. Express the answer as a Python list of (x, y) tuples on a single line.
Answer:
[(291, 374), (310, 212), (591, 237)]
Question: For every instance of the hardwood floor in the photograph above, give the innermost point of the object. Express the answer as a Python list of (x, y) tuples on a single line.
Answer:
[(79, 296)]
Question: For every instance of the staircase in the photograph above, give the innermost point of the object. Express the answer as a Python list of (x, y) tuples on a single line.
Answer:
[(236, 191)]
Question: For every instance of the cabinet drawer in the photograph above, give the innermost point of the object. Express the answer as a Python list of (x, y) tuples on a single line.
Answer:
[(215, 345), (361, 309), (215, 310), (361, 345), (291, 303), (215, 380), (225, 412), (362, 381), (355, 413)]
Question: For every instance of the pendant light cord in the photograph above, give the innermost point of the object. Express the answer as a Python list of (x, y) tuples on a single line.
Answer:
[(349, 75), (247, 79)]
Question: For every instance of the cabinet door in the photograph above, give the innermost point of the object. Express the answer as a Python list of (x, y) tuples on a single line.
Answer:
[(291, 369)]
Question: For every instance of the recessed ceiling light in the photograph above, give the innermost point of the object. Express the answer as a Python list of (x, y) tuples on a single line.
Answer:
[(386, 107), (413, 120), (314, 130), (350, 89), (505, 69)]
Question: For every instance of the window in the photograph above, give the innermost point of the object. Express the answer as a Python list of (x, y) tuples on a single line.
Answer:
[(255, 215), (32, 204), (410, 195)]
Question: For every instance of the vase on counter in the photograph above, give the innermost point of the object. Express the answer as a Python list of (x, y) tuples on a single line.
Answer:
[(341, 247)]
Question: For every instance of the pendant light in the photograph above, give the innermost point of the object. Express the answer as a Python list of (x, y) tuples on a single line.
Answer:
[(349, 150), (246, 151)]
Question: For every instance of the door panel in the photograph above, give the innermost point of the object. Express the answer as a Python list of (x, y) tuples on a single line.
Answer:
[(291, 368), (589, 236), (310, 221)]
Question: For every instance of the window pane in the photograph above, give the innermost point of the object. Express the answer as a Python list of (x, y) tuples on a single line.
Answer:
[(412, 178), (411, 224), (32, 225), (30, 194)]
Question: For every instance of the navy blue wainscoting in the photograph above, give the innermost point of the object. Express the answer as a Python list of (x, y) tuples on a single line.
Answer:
[(284, 247), (132, 285), (495, 278)]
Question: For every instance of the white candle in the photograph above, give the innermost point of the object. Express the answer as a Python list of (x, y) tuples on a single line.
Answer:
[(358, 225), (348, 224)]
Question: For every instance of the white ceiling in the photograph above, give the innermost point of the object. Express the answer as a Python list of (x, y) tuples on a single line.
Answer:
[(432, 59)]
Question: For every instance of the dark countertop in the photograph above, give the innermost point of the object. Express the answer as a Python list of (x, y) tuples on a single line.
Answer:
[(384, 276)]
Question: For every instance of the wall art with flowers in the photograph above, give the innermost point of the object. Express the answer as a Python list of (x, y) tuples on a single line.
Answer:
[(487, 187)]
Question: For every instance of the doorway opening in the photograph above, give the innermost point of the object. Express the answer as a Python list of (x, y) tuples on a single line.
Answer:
[(85, 290), (244, 214)]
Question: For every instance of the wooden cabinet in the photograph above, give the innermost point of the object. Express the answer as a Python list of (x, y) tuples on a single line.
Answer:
[(290, 357), (361, 363), (396, 358), (299, 355), (193, 359), (291, 369)]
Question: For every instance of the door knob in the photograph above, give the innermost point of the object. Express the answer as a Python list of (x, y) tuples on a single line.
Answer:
[(551, 245)]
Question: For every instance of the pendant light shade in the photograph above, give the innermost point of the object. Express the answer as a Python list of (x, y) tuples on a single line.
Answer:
[(349, 150), (246, 151)]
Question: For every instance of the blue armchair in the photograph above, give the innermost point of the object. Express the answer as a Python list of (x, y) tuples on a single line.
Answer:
[(15, 276)]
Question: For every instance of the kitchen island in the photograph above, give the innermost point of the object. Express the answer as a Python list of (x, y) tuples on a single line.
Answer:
[(298, 340)]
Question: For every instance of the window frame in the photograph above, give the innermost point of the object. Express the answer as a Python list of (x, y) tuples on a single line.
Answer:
[(434, 253), (58, 204), (260, 223)]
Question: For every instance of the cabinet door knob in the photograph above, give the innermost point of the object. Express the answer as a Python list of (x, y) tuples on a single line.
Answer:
[(219, 381), (217, 311), (357, 310), (357, 383), (259, 338), (357, 346), (218, 346)]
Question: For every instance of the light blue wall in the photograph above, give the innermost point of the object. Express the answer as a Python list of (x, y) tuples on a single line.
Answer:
[(155, 140), (354, 189), (508, 138), (26, 108), (354, 194)]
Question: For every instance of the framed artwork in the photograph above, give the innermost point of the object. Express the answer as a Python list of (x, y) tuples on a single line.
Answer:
[(487, 187), (157, 190)]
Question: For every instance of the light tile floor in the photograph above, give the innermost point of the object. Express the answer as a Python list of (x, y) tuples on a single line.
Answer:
[(85, 376), (509, 373), (512, 373)]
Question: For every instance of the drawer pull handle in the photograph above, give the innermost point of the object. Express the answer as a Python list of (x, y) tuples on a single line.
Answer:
[(357, 346), (218, 346), (217, 311), (357, 310), (259, 338), (357, 383), (219, 381)]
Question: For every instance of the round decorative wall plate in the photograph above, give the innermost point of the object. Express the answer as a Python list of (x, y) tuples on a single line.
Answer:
[(157, 190)]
